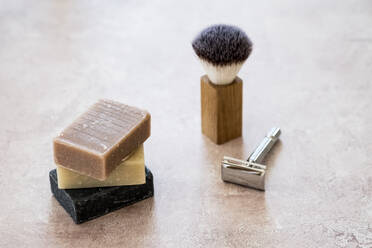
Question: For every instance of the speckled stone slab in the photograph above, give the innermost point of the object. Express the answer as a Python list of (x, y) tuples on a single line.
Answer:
[(86, 204)]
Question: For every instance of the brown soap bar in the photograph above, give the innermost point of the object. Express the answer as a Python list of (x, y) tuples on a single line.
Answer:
[(100, 138)]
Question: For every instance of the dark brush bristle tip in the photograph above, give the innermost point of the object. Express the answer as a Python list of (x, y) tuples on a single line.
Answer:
[(222, 45)]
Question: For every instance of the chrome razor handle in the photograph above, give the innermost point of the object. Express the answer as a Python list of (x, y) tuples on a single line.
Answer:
[(265, 146)]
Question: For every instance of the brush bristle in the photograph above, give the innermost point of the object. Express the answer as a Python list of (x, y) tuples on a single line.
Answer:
[(222, 45)]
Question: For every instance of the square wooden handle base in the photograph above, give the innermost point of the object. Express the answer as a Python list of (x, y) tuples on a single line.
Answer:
[(221, 110)]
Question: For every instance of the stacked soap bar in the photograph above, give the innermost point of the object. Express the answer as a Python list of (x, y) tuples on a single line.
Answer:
[(100, 161)]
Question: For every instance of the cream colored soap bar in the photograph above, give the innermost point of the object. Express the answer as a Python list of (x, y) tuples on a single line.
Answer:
[(130, 172)]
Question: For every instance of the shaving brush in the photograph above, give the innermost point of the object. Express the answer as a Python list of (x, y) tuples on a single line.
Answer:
[(222, 50)]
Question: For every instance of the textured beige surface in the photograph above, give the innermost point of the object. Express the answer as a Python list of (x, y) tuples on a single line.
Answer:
[(310, 73)]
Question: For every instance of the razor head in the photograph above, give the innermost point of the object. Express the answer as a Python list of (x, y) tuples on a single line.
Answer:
[(243, 172)]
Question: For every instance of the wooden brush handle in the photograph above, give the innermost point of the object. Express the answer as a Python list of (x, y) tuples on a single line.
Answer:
[(221, 110)]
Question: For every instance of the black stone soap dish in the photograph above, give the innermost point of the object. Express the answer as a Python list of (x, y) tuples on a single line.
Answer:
[(87, 204)]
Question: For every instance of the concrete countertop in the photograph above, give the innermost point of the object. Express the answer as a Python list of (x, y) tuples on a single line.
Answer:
[(310, 73)]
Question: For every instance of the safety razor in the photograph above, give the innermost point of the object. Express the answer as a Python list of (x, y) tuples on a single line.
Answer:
[(250, 172)]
